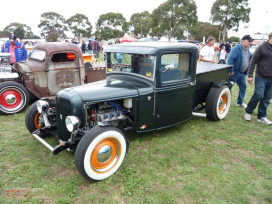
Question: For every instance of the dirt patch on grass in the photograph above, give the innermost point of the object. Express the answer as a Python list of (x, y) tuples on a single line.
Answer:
[(223, 142), (247, 153), (144, 148)]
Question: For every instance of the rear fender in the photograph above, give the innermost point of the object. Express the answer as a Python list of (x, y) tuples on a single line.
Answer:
[(219, 84)]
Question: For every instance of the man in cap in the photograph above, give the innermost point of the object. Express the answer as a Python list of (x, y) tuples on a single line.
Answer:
[(239, 57), (16, 49), (263, 81)]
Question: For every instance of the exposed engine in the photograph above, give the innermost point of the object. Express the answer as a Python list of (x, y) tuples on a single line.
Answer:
[(6, 71), (110, 113)]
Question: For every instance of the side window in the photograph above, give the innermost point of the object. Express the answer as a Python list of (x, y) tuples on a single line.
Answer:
[(63, 57), (174, 67)]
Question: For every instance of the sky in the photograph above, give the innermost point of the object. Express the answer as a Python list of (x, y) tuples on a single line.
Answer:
[(29, 12)]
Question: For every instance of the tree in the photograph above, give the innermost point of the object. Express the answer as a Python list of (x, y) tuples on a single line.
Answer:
[(80, 25), (20, 30), (229, 14), (53, 26), (31, 35), (4, 34), (234, 39), (173, 15), (111, 25), (139, 24), (156, 30), (204, 29)]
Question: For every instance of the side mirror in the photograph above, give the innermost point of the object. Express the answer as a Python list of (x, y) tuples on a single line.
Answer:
[(169, 67)]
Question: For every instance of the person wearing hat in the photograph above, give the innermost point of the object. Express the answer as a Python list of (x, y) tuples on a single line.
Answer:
[(16, 49), (263, 81), (240, 57)]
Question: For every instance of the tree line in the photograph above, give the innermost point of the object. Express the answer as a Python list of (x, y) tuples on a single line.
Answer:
[(172, 19)]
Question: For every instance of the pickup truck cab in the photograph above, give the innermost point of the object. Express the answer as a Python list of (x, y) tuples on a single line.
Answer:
[(50, 67), (153, 86)]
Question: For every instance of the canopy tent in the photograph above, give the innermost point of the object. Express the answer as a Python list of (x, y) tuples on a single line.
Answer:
[(90, 39), (145, 40), (127, 39)]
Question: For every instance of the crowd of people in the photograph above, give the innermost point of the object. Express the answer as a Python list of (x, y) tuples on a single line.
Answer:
[(244, 63), (91, 47)]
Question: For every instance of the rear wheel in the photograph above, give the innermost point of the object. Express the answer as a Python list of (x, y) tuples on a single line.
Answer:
[(218, 103), (100, 153), (14, 98)]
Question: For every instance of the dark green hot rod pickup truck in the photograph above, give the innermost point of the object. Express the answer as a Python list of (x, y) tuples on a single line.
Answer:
[(149, 86)]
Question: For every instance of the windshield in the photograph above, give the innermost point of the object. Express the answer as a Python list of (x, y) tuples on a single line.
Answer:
[(38, 55), (134, 63)]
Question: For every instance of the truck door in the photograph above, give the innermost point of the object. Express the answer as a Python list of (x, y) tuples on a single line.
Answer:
[(175, 92), (63, 71)]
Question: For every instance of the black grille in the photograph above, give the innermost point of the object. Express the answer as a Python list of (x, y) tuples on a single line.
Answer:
[(64, 108)]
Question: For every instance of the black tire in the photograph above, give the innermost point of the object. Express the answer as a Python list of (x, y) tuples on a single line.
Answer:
[(218, 103), (33, 118), (100, 153), (14, 98)]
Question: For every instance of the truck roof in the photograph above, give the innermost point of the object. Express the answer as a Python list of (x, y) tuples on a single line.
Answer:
[(57, 46), (150, 47)]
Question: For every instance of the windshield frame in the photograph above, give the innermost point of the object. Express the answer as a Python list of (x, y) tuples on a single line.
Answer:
[(38, 54), (143, 65)]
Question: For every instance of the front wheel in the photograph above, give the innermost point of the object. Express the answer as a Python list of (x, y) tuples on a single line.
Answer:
[(14, 98), (100, 153), (33, 119), (218, 103)]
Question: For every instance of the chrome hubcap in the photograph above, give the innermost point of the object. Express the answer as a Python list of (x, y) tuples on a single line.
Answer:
[(10, 99), (104, 153)]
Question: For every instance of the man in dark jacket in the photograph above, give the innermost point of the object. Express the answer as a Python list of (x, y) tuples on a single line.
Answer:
[(239, 57), (228, 48), (263, 81), (90, 50)]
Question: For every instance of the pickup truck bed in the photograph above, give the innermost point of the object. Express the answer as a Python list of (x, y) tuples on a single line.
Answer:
[(206, 75)]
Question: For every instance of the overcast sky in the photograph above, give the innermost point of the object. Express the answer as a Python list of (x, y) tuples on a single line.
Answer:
[(29, 11)]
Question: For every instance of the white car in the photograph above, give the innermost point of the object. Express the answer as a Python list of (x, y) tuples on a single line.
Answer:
[(252, 49)]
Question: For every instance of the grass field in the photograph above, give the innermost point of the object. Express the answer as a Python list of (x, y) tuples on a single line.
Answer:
[(199, 161)]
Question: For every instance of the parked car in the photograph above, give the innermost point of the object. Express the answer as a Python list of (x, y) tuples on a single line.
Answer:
[(50, 67), (156, 86), (252, 49)]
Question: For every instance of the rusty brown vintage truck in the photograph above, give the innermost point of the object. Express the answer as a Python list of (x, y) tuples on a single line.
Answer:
[(50, 67)]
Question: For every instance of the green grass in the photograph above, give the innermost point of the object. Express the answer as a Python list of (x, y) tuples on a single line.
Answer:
[(199, 161)]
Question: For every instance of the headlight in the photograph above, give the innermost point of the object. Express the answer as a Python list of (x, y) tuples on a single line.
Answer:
[(72, 123), (42, 106)]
